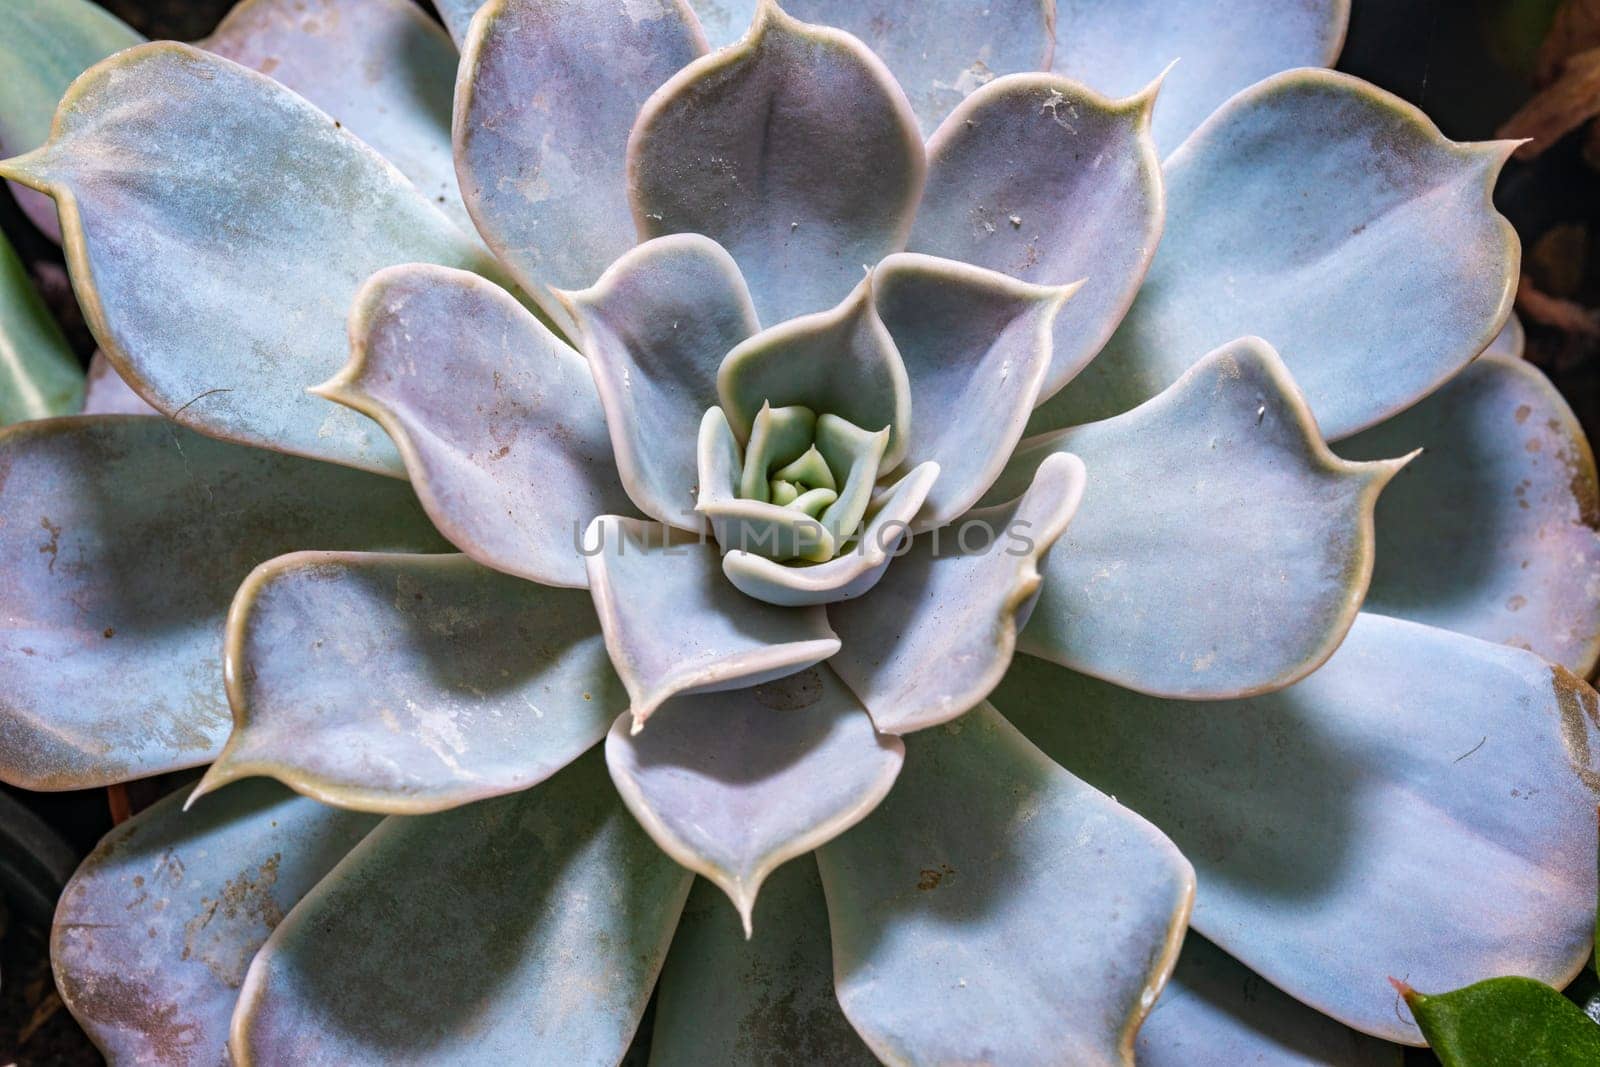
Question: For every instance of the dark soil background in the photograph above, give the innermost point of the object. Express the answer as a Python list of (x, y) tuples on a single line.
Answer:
[(1473, 65)]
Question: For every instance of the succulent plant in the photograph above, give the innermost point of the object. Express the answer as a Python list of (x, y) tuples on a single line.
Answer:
[(747, 410)]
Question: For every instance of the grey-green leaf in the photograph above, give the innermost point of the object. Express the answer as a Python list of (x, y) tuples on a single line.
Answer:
[(527, 928), (46, 44), (123, 541), (156, 929), (218, 227)]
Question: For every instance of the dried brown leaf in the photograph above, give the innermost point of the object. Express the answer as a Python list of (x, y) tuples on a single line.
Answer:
[(1572, 100)]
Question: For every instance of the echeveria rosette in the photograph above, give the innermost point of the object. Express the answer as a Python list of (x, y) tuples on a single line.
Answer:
[(712, 473)]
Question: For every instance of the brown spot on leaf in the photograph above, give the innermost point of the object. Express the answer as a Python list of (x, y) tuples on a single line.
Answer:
[(1580, 717), (52, 547), (793, 693), (124, 1003), (932, 876), (245, 900)]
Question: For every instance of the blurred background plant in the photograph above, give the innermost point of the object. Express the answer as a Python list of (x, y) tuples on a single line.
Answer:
[(1480, 68)]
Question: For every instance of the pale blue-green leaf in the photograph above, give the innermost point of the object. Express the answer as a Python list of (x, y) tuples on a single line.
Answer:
[(748, 1003), (655, 328), (1221, 46), (731, 785), (995, 909), (976, 346), (524, 928), (1221, 549), (1334, 220), (1510, 341), (46, 44), (754, 526), (857, 454), (382, 68), (497, 419), (39, 375), (153, 934), (941, 52), (675, 626), (407, 683), (549, 92), (852, 573), (838, 362), (794, 149), (105, 392), (938, 633), (217, 228), (1423, 805), (725, 21), (1047, 181), (123, 542), (1215, 1010), (457, 16), (1494, 530)]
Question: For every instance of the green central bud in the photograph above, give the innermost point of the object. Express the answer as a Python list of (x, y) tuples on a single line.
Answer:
[(819, 470)]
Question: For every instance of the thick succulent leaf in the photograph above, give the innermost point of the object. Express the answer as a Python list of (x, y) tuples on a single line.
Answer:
[(858, 454), (731, 785), (153, 934), (839, 362), (1423, 805), (1510, 341), (39, 375), (674, 626), (1494, 530), (124, 540), (976, 345), (527, 927), (457, 16), (497, 419), (725, 21), (1505, 1020), (105, 392), (778, 438), (1216, 1011), (217, 228), (1220, 48), (996, 909), (938, 52), (794, 149), (939, 631), (655, 328), (744, 524), (739, 1002), (407, 683), (846, 576), (1047, 181), (1221, 549), (1334, 220), (382, 68), (549, 92), (46, 44)]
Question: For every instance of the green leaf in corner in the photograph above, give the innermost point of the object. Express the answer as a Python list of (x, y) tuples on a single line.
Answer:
[(1505, 1022)]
